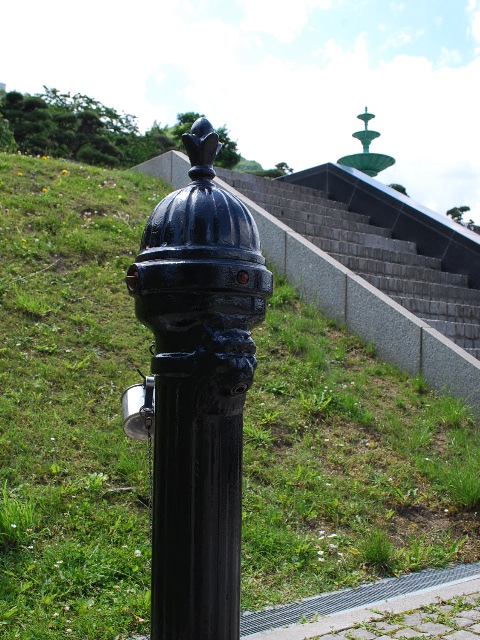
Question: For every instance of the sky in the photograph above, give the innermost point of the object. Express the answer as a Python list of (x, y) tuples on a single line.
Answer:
[(287, 77)]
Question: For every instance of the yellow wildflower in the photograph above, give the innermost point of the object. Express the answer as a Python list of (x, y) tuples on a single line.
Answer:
[(44, 157), (20, 174), (44, 190), (64, 171)]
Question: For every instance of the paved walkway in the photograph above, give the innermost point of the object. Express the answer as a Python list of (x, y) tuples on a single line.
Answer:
[(450, 612)]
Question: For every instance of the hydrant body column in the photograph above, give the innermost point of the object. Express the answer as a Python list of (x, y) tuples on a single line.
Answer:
[(200, 284), (197, 491)]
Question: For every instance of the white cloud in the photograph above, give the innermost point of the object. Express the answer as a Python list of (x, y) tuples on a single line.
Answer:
[(305, 116), (475, 25), (473, 12), (449, 56), (397, 7), (157, 61), (282, 19), (397, 40)]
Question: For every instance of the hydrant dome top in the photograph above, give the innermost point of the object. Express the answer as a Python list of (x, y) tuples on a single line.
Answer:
[(201, 220)]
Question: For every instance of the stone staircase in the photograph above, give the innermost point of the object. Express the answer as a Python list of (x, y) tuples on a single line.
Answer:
[(416, 282)]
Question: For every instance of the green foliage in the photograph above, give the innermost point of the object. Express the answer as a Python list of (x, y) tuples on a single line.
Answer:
[(399, 187), (460, 476), (183, 125), (315, 405), (17, 520), (79, 128), (281, 169), (140, 148), (78, 104), (34, 305), (420, 552), (7, 140), (228, 155), (256, 436), (419, 384), (378, 551), (452, 412), (457, 213), (283, 294), (248, 166), (29, 119)]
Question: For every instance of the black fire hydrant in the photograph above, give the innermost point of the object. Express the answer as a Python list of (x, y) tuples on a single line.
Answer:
[(200, 283)]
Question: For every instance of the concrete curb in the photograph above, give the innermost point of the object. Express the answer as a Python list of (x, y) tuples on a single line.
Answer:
[(374, 611)]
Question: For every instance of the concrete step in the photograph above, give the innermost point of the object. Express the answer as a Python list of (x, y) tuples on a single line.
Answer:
[(416, 288), (271, 190), (371, 253), (293, 202), (464, 335), (353, 237), (313, 224), (301, 216), (266, 185), (427, 309), (309, 213), (397, 270), (416, 282), (371, 240)]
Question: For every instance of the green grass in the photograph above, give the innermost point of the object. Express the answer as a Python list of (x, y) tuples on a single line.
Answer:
[(339, 447), (378, 551)]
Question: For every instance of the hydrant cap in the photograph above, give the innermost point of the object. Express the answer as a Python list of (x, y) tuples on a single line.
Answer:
[(201, 220), (200, 259)]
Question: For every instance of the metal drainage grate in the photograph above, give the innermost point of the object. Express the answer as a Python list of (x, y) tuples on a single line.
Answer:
[(364, 595)]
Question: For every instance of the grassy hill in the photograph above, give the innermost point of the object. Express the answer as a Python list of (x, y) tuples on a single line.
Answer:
[(352, 469)]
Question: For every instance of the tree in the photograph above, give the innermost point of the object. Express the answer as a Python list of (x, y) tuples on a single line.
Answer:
[(64, 134), (283, 166), (114, 122), (228, 155), (93, 144), (81, 128), (137, 149), (183, 125), (456, 213), (29, 119), (256, 169), (248, 166), (400, 188), (7, 139)]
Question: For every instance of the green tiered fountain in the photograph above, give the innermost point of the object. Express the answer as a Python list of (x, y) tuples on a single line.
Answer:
[(369, 163)]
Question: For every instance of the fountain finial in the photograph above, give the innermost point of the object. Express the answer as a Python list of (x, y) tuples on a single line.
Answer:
[(369, 163)]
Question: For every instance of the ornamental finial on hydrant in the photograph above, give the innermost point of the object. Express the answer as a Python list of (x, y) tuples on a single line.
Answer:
[(202, 146)]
